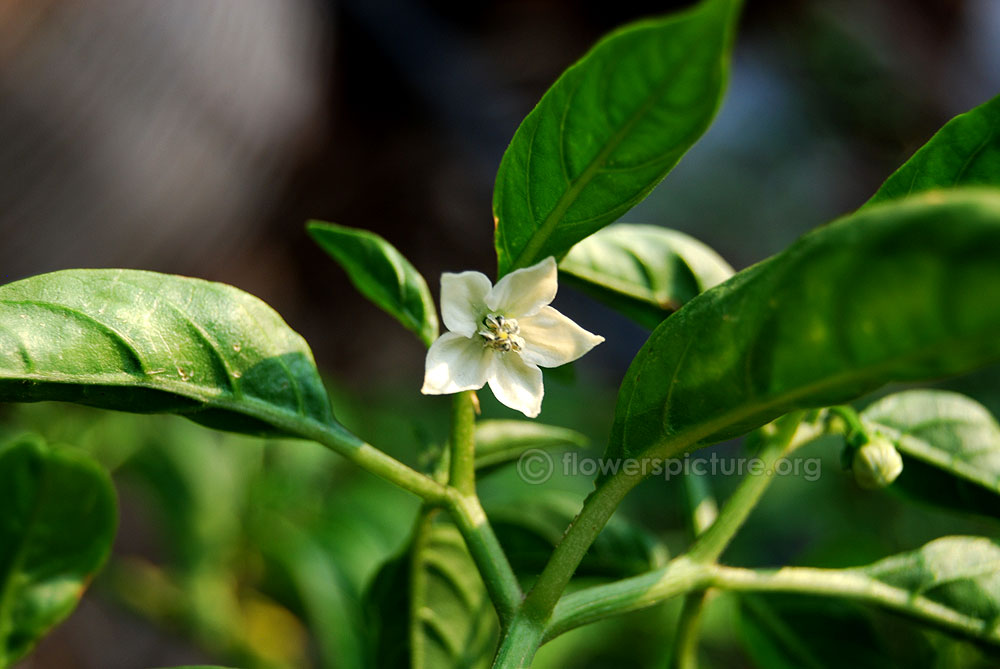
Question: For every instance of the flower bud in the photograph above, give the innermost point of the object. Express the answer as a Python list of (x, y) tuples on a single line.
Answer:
[(876, 464)]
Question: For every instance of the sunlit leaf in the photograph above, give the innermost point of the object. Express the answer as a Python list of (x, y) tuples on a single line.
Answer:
[(903, 291), (381, 274), (644, 271), (154, 343), (965, 152), (609, 130)]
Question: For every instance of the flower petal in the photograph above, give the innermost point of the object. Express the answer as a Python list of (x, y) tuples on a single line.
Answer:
[(463, 301), (551, 339), (517, 384), (456, 363), (523, 292)]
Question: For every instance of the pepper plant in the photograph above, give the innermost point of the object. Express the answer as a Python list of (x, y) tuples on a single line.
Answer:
[(904, 289)]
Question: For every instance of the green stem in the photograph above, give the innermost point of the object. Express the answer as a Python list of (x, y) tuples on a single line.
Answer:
[(853, 584), (785, 435), (338, 439), (702, 513), (685, 653), (519, 644), (486, 552), (682, 576), (598, 508), (463, 444), (855, 428), (588, 605)]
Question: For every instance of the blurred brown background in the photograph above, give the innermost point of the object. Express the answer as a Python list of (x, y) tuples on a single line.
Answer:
[(197, 137)]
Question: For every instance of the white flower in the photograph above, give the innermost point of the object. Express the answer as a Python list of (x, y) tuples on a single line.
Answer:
[(501, 335)]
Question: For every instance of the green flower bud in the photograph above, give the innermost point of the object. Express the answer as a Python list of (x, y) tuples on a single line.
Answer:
[(876, 464)]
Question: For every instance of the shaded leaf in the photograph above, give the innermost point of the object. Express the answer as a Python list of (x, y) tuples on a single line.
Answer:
[(950, 445), (429, 607), (58, 515), (501, 441), (796, 632), (609, 130), (381, 274), (964, 152), (904, 291), (529, 530), (153, 343), (644, 271)]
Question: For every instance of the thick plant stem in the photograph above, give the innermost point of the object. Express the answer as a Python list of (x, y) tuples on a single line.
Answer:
[(588, 605), (486, 552), (519, 644), (463, 443)]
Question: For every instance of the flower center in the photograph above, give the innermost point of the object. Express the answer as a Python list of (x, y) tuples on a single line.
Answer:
[(501, 334)]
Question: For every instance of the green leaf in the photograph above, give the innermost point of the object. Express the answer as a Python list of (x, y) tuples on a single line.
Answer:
[(154, 343), (796, 632), (58, 515), (609, 130), (644, 271), (965, 152), (429, 607), (529, 530), (903, 291), (501, 441), (961, 574), (381, 274), (950, 445)]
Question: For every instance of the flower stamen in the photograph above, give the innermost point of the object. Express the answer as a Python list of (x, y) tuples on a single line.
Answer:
[(501, 334)]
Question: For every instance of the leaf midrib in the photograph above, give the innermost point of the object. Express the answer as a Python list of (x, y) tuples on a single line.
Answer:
[(570, 195), (685, 438)]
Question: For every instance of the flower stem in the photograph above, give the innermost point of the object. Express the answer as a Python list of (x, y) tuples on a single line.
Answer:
[(486, 552), (463, 443)]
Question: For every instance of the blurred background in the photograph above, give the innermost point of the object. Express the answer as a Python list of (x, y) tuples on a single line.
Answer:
[(198, 137)]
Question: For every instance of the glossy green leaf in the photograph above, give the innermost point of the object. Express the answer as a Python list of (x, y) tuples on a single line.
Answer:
[(154, 343), (965, 152), (950, 445), (961, 574), (58, 515), (381, 274), (529, 530), (797, 632), (429, 607), (501, 441), (903, 291), (644, 271), (609, 130)]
